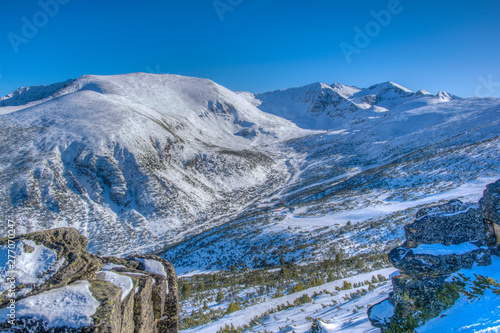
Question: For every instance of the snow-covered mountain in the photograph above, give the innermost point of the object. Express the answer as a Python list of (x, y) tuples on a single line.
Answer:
[(211, 179), (139, 161), (336, 106), (132, 160)]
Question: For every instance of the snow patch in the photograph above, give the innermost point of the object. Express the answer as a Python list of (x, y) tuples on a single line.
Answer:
[(34, 264), (70, 306), (111, 266), (382, 312), (440, 249), (481, 315), (153, 266), (121, 281)]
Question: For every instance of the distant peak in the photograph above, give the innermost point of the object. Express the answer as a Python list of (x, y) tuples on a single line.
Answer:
[(423, 92), (445, 96), (29, 94), (389, 85)]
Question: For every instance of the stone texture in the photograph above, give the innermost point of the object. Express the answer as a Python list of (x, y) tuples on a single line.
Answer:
[(490, 207), (152, 305), (127, 306), (451, 223), (490, 203), (108, 317), (415, 294), (165, 294), (424, 265), (423, 277), (143, 304), (69, 244)]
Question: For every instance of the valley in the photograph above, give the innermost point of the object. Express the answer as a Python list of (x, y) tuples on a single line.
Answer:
[(264, 198)]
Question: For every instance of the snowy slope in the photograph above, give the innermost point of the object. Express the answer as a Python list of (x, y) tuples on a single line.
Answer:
[(140, 161), (331, 307), (135, 159), (481, 315), (337, 106)]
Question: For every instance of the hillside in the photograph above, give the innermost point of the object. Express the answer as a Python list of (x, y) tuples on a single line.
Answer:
[(132, 161), (337, 106), (242, 201)]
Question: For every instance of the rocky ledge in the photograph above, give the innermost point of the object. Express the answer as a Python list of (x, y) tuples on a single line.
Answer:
[(54, 285), (441, 241)]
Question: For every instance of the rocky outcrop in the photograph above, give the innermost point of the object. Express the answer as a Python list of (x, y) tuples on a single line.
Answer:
[(490, 207), (451, 223), (59, 287), (441, 241)]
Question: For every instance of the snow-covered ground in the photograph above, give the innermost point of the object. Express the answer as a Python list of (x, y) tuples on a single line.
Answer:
[(30, 264), (69, 306), (481, 315), (332, 308), (137, 162)]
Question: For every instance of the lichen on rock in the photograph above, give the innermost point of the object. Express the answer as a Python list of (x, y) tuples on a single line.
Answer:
[(127, 296)]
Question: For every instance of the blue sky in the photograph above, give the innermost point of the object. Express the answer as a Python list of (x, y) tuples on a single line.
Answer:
[(257, 45)]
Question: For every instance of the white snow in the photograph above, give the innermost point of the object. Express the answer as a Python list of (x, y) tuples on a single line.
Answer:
[(383, 312), (440, 249), (153, 266), (321, 106), (482, 315), (34, 267), (123, 282), (71, 306), (110, 266), (345, 316), (469, 191)]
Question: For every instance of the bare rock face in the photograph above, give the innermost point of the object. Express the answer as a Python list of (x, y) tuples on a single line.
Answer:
[(451, 223), (490, 207), (81, 292), (443, 240), (428, 265)]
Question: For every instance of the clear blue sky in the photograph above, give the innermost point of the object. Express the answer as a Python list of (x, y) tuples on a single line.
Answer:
[(260, 45)]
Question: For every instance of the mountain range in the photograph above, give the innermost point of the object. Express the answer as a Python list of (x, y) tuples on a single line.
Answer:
[(139, 162)]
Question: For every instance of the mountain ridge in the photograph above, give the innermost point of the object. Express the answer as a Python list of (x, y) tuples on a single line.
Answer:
[(320, 106), (136, 157)]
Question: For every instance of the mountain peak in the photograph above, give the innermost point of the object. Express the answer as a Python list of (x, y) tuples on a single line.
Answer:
[(445, 96), (423, 92), (388, 85), (29, 94)]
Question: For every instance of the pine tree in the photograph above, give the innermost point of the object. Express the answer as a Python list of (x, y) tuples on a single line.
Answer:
[(315, 328), (401, 323), (338, 257), (298, 287), (233, 306), (346, 286), (220, 297), (282, 260), (227, 329), (279, 292)]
